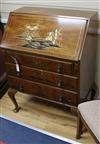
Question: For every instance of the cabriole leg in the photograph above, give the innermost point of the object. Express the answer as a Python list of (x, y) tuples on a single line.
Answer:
[(11, 93)]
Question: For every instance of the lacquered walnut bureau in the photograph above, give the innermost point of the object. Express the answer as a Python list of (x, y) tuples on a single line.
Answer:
[(50, 53)]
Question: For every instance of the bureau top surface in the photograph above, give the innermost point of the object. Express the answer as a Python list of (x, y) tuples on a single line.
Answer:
[(50, 32), (55, 12)]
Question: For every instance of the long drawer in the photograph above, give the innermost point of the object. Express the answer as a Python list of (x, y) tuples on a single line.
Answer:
[(44, 91), (50, 78), (49, 64)]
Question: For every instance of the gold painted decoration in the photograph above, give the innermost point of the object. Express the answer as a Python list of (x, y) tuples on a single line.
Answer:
[(33, 39)]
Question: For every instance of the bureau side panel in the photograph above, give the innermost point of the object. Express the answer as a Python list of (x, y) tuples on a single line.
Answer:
[(87, 63)]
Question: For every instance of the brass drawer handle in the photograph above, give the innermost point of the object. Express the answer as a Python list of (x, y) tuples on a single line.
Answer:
[(21, 88), (74, 67), (60, 84), (59, 68), (61, 98)]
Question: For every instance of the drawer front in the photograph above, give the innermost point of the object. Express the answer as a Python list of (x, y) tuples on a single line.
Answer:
[(48, 64), (50, 93), (11, 69), (15, 83), (44, 91), (53, 79), (70, 98)]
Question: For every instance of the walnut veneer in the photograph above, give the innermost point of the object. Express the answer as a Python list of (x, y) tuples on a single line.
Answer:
[(50, 53)]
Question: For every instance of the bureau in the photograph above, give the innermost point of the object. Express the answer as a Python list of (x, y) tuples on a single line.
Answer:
[(50, 53)]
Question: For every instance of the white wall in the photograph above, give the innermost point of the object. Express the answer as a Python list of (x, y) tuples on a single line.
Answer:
[(97, 77), (8, 5)]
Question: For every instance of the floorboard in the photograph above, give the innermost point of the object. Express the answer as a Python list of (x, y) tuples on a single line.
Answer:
[(43, 116)]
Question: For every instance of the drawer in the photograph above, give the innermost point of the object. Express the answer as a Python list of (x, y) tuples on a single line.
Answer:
[(11, 69), (70, 98), (34, 61), (53, 79), (50, 78), (59, 95), (15, 83), (50, 93), (44, 91)]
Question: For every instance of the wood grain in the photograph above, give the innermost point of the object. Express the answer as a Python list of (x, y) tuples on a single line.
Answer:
[(43, 116)]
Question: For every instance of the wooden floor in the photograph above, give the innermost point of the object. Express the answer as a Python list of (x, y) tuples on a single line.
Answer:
[(43, 116)]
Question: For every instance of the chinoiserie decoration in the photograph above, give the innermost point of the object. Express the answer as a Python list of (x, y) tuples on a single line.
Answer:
[(33, 39)]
